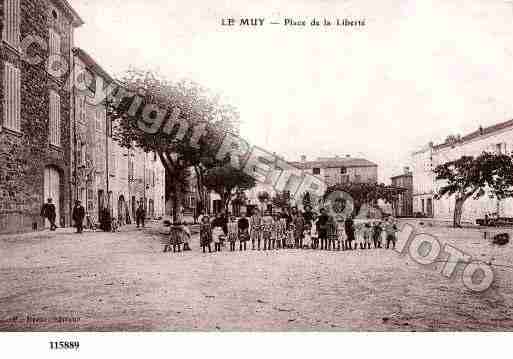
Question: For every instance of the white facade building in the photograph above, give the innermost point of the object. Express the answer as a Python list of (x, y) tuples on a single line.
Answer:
[(496, 138)]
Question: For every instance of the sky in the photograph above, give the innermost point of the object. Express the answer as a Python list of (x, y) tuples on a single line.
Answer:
[(417, 71)]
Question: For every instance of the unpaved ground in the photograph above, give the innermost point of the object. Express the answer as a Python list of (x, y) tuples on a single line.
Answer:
[(123, 281)]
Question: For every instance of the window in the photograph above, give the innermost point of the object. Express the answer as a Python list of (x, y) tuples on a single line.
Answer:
[(55, 119), (316, 171), (11, 33), (343, 170), (113, 164), (98, 117), (55, 43), (12, 99)]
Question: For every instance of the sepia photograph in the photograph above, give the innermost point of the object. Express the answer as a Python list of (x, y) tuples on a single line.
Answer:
[(255, 166)]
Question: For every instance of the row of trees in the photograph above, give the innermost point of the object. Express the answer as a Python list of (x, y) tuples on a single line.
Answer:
[(184, 102)]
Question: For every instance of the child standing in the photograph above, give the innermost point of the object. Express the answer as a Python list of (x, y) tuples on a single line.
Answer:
[(290, 236), (217, 234), (332, 233), (390, 229), (341, 236), (205, 234), (358, 236), (367, 233), (243, 228), (267, 229), (314, 235), (299, 225), (256, 229), (307, 238), (232, 233), (376, 234), (283, 232)]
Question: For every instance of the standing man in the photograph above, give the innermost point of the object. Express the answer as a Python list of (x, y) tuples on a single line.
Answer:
[(140, 215), (322, 228), (48, 212), (78, 216)]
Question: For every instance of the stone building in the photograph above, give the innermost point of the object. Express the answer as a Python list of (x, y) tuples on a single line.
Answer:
[(35, 112), (108, 175), (335, 170), (496, 138), (403, 206)]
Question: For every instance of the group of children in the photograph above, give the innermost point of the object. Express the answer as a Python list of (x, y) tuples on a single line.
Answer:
[(276, 232)]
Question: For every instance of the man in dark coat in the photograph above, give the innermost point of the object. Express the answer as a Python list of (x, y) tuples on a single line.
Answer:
[(78, 216), (48, 212), (140, 215)]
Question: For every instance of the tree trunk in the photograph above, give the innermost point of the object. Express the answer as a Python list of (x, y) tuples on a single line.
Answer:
[(458, 211)]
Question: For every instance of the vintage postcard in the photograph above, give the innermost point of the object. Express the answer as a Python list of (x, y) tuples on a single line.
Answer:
[(256, 166)]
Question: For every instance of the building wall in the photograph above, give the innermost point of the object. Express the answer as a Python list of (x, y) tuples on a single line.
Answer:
[(403, 207), (425, 185), (334, 176), (25, 155)]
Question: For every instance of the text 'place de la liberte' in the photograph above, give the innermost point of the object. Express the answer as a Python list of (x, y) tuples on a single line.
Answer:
[(291, 22)]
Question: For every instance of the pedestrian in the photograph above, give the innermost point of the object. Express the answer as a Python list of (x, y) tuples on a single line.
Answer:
[(140, 215), (78, 215), (232, 233), (322, 228), (48, 212), (376, 234), (349, 229), (243, 227), (256, 229), (205, 234)]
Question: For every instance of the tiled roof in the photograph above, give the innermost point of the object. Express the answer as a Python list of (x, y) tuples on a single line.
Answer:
[(335, 163), (475, 134)]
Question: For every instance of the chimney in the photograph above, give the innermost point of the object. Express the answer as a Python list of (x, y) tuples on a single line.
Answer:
[(406, 170), (481, 130), (303, 158), (431, 144), (347, 156)]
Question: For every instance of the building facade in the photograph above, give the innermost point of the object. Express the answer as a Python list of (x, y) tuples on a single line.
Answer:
[(497, 138), (336, 170), (35, 102), (403, 206), (108, 175)]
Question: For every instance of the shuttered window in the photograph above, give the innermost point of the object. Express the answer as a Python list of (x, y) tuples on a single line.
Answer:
[(11, 32), (55, 43), (55, 119), (12, 98)]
